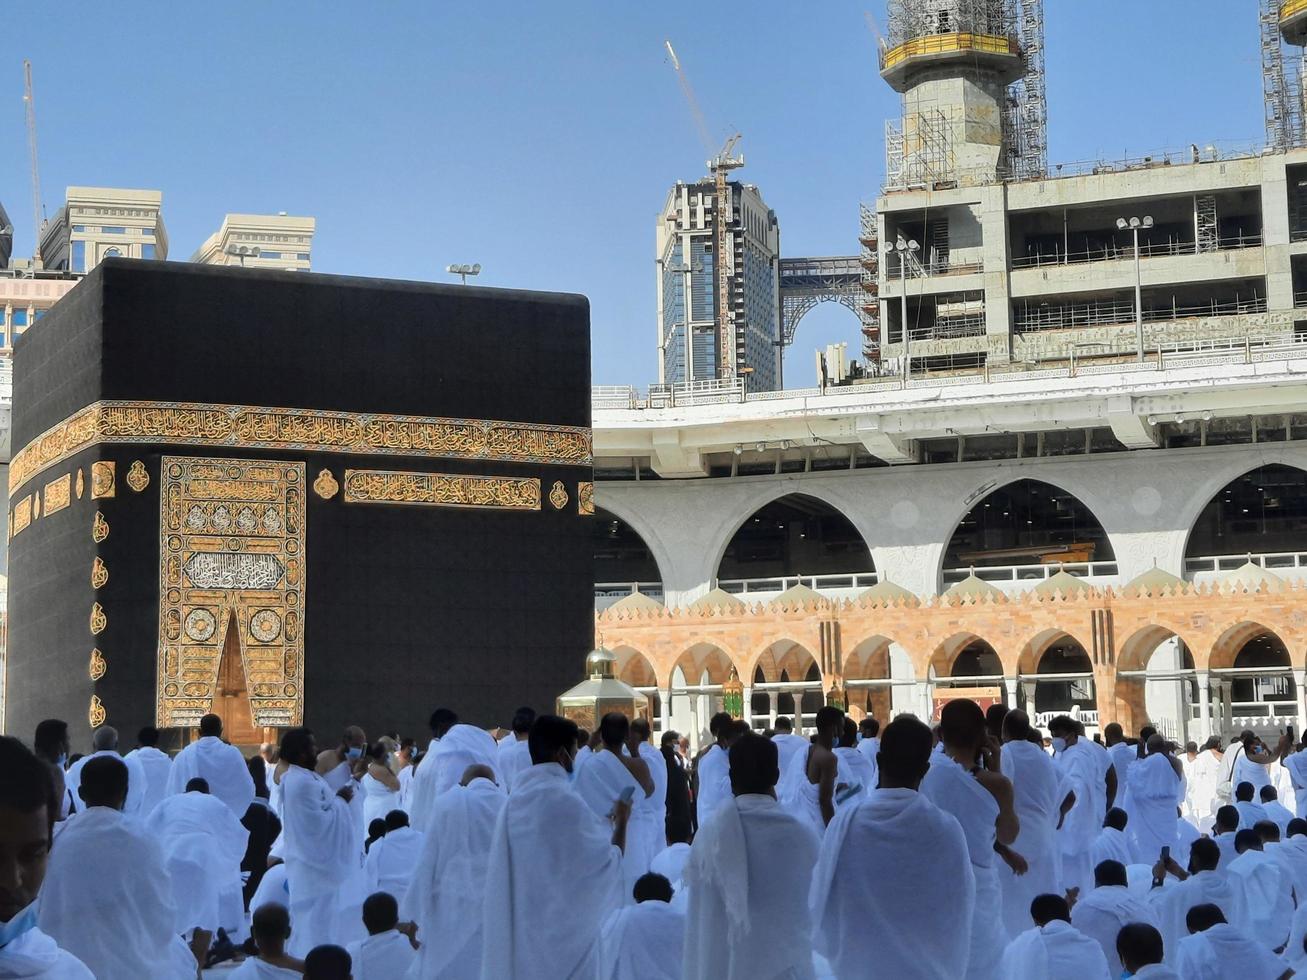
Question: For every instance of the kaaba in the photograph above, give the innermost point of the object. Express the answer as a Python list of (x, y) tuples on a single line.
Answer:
[(291, 498)]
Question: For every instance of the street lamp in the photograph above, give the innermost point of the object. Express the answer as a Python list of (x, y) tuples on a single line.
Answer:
[(907, 252), (464, 270), (242, 251), (1134, 224)]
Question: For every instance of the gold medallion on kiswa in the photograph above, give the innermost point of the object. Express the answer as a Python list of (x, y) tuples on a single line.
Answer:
[(441, 490), (306, 430)]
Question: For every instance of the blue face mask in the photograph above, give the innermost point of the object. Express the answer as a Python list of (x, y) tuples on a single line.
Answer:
[(353, 752), (23, 922)]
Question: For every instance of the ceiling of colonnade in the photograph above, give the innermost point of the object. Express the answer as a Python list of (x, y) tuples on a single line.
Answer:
[(620, 553), (1262, 511), (1027, 523), (795, 535)]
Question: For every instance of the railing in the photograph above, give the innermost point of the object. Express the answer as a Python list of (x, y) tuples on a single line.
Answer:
[(1108, 253), (1087, 717), (1266, 559), (1300, 299), (952, 329), (1161, 356), (940, 267), (614, 396), (947, 43), (1080, 315), (608, 593), (779, 583), (1031, 573)]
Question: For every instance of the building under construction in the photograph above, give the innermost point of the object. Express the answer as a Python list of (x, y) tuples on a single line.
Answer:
[(989, 259)]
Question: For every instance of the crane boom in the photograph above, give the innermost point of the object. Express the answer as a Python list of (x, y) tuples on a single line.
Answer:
[(30, 104), (688, 92)]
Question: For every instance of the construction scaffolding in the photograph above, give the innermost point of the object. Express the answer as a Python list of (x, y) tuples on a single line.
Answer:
[(869, 312), (919, 152), (1281, 85), (1025, 137), (910, 19)]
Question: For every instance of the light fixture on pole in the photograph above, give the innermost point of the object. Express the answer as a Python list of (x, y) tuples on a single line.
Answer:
[(464, 270), (1134, 224), (244, 251), (907, 251)]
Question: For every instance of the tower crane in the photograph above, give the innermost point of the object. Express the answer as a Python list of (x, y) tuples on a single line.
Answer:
[(720, 165), (29, 103)]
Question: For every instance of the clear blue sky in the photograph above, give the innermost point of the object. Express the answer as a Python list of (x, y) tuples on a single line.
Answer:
[(539, 138)]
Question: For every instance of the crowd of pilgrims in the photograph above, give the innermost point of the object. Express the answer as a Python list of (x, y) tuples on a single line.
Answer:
[(979, 849)]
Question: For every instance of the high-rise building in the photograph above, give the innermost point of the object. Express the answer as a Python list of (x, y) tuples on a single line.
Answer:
[(259, 241), (689, 314), (6, 238), (101, 222)]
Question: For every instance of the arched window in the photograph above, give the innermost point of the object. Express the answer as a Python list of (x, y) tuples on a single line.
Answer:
[(1263, 512), (1030, 526), (796, 535), (622, 560)]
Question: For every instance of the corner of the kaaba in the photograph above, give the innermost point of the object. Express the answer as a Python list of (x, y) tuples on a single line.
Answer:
[(373, 494)]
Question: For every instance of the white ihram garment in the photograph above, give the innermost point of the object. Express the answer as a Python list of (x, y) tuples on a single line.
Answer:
[(1037, 802), (601, 783), (1205, 775), (447, 759), (204, 845), (513, 758), (954, 790), (1268, 897), (854, 770), (1296, 765), (157, 766), (221, 765), (107, 900), (322, 855), (35, 956), (390, 862), (1112, 845), (1155, 793), (893, 889), (137, 782), (254, 968), (1173, 903), (1224, 952), (748, 876), (713, 779), (378, 798), (643, 942), (547, 842), (1103, 912), (447, 893), (1082, 773), (386, 956), (1057, 951)]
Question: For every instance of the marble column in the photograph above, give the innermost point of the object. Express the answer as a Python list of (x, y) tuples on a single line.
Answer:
[(1204, 705), (665, 710), (747, 709), (773, 699)]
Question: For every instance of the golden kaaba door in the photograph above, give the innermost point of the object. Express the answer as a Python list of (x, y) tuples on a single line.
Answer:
[(231, 579)]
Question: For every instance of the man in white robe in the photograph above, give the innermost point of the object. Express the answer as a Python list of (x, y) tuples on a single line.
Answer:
[(1245, 801), (220, 765), (808, 789), (1202, 884), (1112, 842), (1038, 806), (29, 807), (1204, 776), (1296, 766), (1122, 755), (391, 859), (1275, 811), (156, 764), (611, 772), (387, 953), (1291, 853), (204, 845), (1268, 892), (748, 875), (1224, 827), (1215, 949), (270, 929), (1082, 774), (106, 897), (105, 743), (548, 843), (868, 742), (1155, 788), (967, 782), (459, 747), (712, 782), (894, 887), (652, 811), (1102, 913), (1139, 948), (420, 793), (1054, 949), (645, 941), (513, 754), (448, 890), (321, 848), (789, 745), (853, 767)]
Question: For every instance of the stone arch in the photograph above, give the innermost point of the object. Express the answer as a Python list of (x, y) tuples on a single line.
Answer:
[(978, 540), (634, 667), (636, 519), (1139, 647), (1252, 644), (1232, 640), (815, 497), (707, 657), (621, 552), (1259, 510), (946, 655), (871, 659)]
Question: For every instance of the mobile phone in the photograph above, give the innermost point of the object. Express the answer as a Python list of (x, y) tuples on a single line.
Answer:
[(848, 793), (628, 794), (1166, 853)]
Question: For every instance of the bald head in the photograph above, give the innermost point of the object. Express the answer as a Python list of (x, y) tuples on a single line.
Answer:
[(476, 772), (105, 739), (1016, 726)]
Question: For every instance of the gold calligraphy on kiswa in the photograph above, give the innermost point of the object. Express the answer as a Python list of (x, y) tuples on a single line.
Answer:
[(308, 430), (441, 490)]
